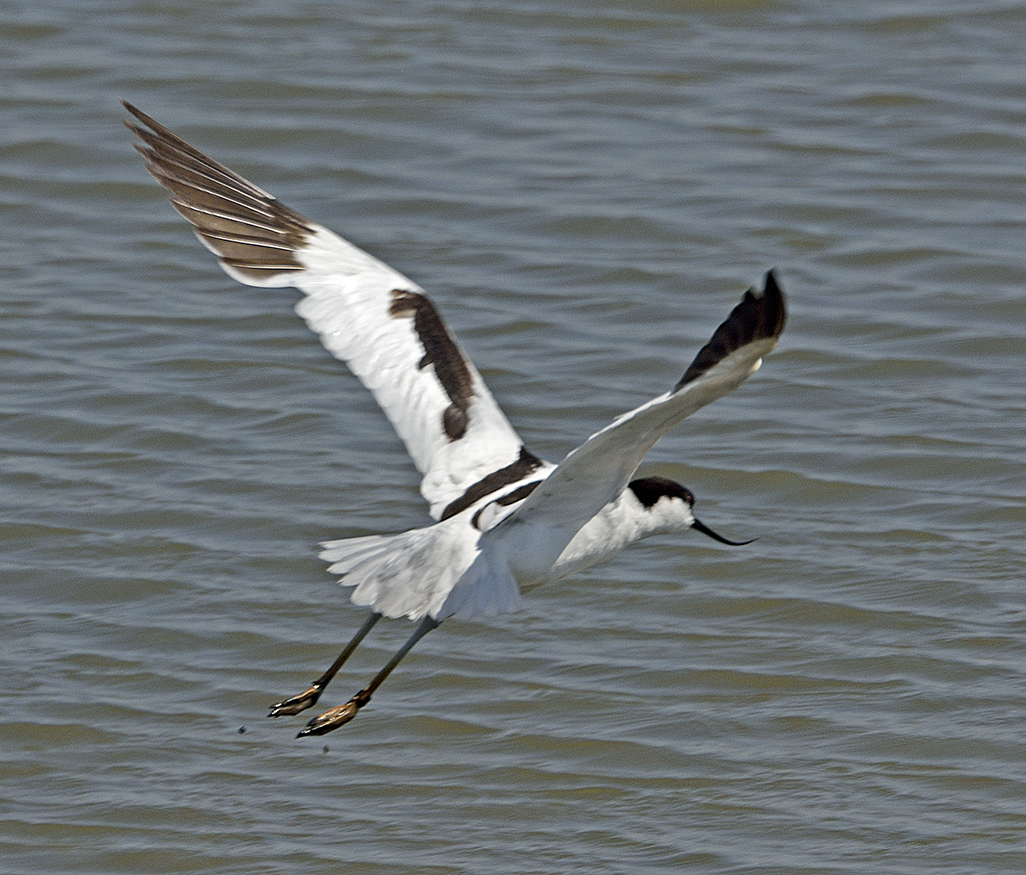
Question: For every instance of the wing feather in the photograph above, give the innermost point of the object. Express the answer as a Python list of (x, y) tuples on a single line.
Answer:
[(599, 470), (366, 314)]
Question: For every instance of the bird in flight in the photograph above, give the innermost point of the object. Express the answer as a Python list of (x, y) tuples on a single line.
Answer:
[(506, 520)]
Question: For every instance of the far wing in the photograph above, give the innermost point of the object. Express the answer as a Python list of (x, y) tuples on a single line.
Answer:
[(367, 314), (600, 469)]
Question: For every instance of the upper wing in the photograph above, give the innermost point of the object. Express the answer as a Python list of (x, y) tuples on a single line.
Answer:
[(598, 470), (367, 314)]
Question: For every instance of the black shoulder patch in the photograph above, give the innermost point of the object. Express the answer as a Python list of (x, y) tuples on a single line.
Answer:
[(650, 489), (441, 351), (527, 463), (755, 318), (518, 494)]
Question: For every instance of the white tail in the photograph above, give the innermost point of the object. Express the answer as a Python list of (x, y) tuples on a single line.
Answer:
[(405, 575)]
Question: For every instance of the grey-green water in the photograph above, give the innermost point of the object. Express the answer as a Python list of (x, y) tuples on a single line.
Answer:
[(584, 189)]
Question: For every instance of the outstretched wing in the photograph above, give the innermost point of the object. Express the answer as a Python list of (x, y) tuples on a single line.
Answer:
[(367, 314), (599, 470)]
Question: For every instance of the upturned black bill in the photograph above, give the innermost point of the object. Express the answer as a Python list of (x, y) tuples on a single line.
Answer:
[(705, 530)]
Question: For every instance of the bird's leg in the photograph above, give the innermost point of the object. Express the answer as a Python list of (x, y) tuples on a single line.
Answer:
[(309, 697), (339, 716)]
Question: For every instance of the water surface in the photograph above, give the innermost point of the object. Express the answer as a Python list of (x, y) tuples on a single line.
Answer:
[(585, 192)]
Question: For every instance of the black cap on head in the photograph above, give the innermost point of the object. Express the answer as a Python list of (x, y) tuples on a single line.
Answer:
[(650, 489)]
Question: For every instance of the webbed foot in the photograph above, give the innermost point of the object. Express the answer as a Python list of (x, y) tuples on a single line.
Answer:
[(334, 717), (294, 705)]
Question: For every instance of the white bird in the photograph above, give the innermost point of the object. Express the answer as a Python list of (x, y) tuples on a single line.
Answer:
[(507, 521)]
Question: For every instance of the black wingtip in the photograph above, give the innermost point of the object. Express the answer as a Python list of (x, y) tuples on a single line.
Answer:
[(759, 316), (775, 306), (135, 111)]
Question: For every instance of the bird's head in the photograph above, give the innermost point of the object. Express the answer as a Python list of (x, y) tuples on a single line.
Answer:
[(671, 507)]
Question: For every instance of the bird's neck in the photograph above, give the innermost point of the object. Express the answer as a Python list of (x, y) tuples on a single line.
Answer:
[(618, 525)]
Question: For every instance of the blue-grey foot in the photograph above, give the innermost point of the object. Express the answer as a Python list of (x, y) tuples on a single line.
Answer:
[(294, 705), (334, 717)]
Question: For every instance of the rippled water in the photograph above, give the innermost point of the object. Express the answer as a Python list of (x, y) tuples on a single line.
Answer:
[(584, 190)]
